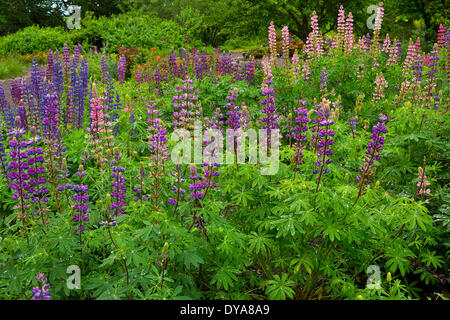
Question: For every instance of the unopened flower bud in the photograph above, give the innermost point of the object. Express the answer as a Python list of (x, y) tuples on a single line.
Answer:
[(165, 249)]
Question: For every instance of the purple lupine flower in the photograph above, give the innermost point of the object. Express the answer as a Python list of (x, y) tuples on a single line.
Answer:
[(367, 42), (374, 147), (270, 117), (81, 92), (104, 69), (165, 72), (41, 292), (353, 123), (201, 66), (210, 145), (398, 44), (431, 75), (16, 91), (225, 65), (140, 196), (418, 66), (66, 60), (112, 104), (22, 113), (81, 199), (36, 171), (301, 126), (157, 78), (323, 80), (3, 160), (37, 93), (187, 108), (49, 119), (233, 118), (18, 171), (325, 140), (179, 191), (58, 83), (236, 119), (6, 112), (197, 184), (119, 187), (173, 67), (159, 152), (139, 76), (249, 71), (50, 67), (198, 188), (76, 54), (122, 68)]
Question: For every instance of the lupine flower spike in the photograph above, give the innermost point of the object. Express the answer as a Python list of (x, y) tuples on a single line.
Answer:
[(374, 148), (41, 292)]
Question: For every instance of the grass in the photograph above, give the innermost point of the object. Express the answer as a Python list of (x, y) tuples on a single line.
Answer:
[(11, 67)]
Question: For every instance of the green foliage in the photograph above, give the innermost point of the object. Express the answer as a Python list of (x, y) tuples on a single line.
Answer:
[(34, 39), (10, 67)]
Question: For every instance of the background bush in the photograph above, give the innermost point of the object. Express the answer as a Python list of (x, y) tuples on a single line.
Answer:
[(34, 39)]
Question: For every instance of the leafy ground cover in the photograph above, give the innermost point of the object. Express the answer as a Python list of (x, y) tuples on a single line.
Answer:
[(352, 203)]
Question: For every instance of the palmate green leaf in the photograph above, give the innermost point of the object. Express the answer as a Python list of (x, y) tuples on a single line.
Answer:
[(260, 244), (276, 193), (308, 217), (225, 277), (302, 261), (412, 214), (280, 288), (259, 181), (333, 232), (398, 259), (431, 259), (242, 197), (190, 258), (109, 260), (299, 204), (287, 224)]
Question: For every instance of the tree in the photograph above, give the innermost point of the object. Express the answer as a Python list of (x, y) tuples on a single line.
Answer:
[(18, 14)]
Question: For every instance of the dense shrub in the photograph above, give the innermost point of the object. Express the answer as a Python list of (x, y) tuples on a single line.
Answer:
[(125, 30), (129, 30), (34, 39)]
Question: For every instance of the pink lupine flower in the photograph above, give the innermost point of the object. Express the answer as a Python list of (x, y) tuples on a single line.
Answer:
[(417, 47), (349, 33), (295, 65), (393, 55), (386, 44), (440, 36), (272, 42), (314, 42), (285, 38), (341, 28), (379, 17), (410, 55), (306, 73), (380, 83), (423, 182)]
